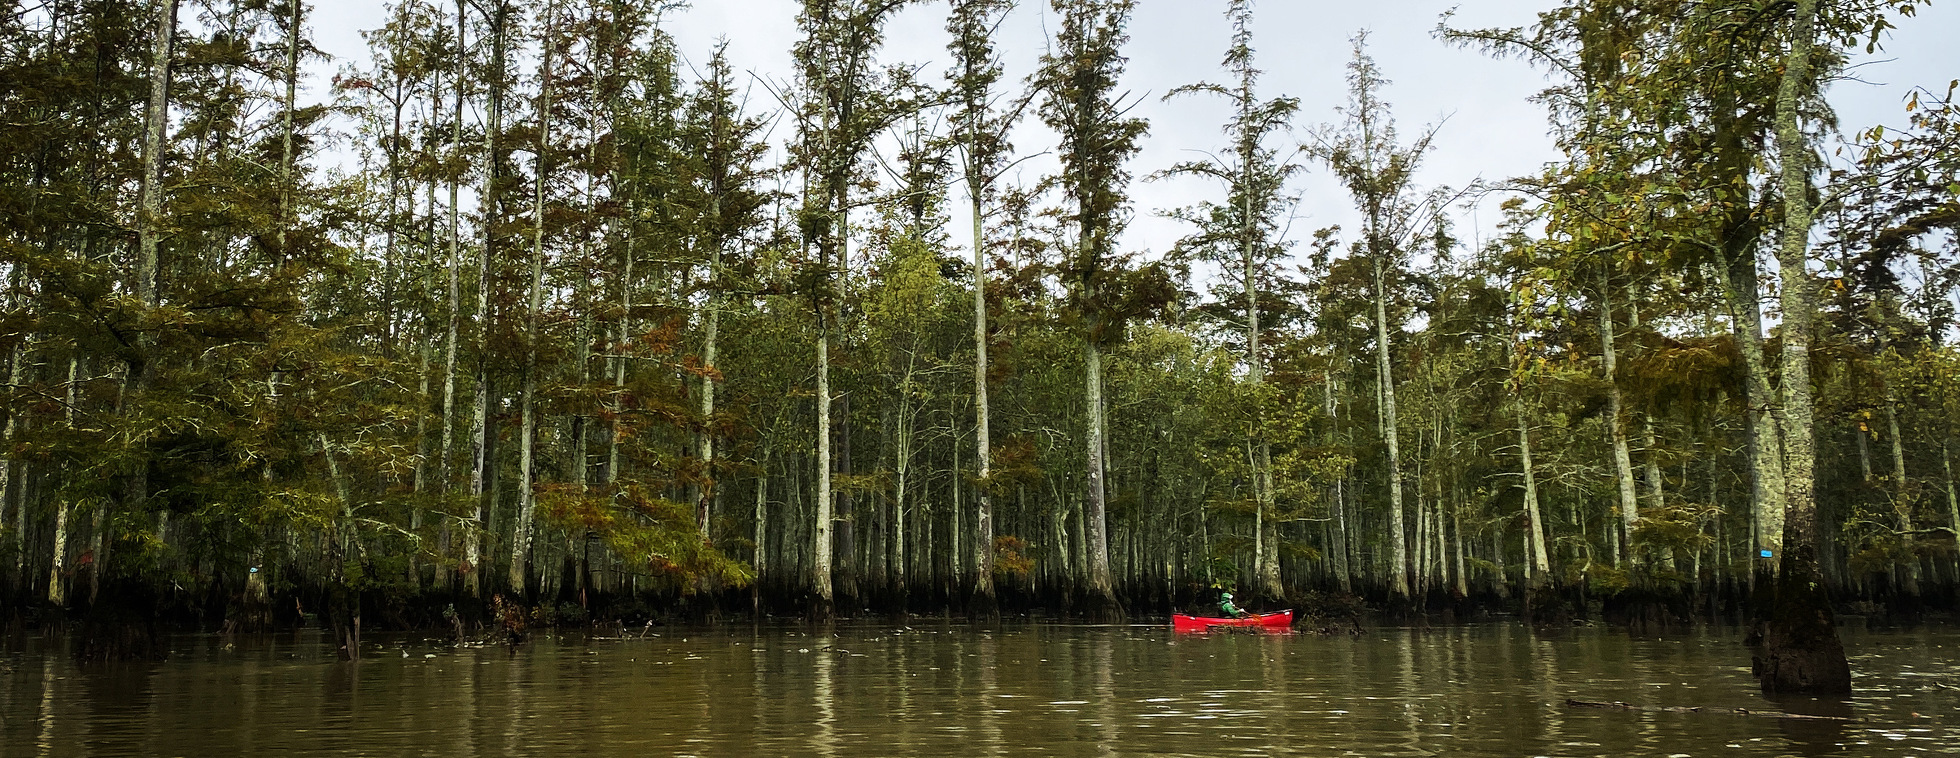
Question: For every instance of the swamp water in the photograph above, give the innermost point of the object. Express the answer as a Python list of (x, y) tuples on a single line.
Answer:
[(955, 690)]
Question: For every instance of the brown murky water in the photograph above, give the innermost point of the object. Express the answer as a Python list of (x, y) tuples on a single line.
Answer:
[(930, 690)]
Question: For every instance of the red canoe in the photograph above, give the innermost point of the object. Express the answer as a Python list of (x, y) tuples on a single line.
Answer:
[(1280, 620)]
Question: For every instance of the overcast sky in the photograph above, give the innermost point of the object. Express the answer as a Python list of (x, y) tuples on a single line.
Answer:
[(1490, 129)]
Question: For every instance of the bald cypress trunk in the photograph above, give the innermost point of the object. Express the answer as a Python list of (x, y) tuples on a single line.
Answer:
[(1655, 480), (1629, 502), (1343, 571), (149, 238), (156, 123), (424, 369), (1101, 586), (8, 469), (1541, 561), (762, 558), (1952, 500), (520, 549), (623, 339), (481, 431), (977, 69), (295, 18), (1801, 652), (1911, 567), (1898, 484), (1460, 567), (843, 525), (1266, 563), (820, 584), (1739, 282), (983, 509), (1398, 571), (445, 479), (58, 560), (704, 510), (903, 439)]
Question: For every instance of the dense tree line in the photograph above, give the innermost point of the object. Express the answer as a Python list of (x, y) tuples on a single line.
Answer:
[(533, 308)]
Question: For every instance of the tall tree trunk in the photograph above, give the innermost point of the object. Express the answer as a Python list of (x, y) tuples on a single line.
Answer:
[(1892, 432), (391, 225), (1899, 485), (1656, 484), (348, 533), (1462, 575), (1541, 561), (1420, 543), (983, 600), (58, 559), (8, 469), (149, 236), (1616, 424), (620, 349), (703, 508), (481, 430), (953, 534), (587, 296), (762, 557), (1650, 464), (1864, 456), (1101, 586), (97, 549), (844, 553), (426, 361), (1500, 575), (1343, 570), (1398, 587), (294, 21), (820, 548), (481, 444), (343, 604), (1739, 277), (446, 454), (1266, 562), (24, 476), (520, 550), (1952, 501), (907, 418), (1801, 651), (896, 545)]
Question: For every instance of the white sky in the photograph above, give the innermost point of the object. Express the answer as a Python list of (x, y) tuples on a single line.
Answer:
[(1492, 131)]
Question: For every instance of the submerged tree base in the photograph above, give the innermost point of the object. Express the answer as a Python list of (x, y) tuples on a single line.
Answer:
[(123, 625), (1101, 606), (1650, 610), (1545, 605), (1800, 652)]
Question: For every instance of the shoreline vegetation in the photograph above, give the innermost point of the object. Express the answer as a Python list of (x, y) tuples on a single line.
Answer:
[(536, 322), (126, 632), (135, 622)]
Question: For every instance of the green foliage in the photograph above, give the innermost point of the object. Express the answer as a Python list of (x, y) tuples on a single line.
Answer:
[(654, 536)]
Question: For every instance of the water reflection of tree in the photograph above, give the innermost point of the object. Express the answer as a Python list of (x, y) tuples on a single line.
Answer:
[(824, 737), (1273, 651), (989, 687), (1816, 736), (1102, 654)]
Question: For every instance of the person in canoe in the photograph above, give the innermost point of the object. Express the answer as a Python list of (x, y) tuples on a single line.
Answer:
[(1229, 609)]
